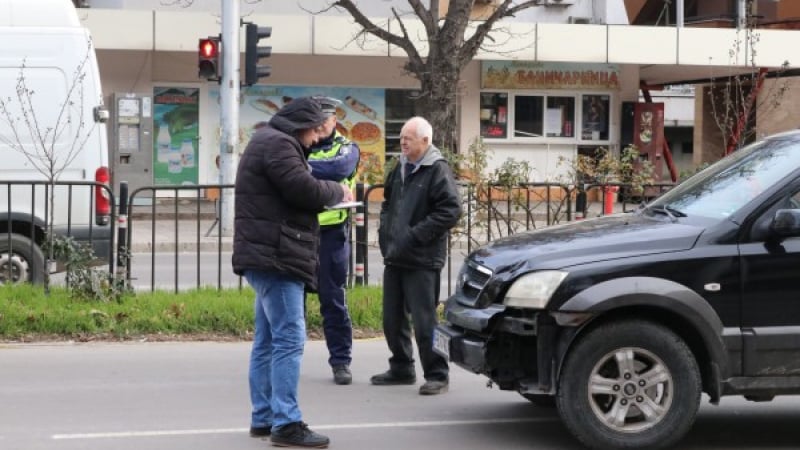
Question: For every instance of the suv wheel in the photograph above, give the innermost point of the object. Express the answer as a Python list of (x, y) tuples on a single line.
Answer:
[(631, 384), (24, 263)]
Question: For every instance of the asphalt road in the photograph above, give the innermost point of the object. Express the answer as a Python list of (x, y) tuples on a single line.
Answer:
[(173, 396)]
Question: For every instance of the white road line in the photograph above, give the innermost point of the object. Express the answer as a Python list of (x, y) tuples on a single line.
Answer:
[(441, 423)]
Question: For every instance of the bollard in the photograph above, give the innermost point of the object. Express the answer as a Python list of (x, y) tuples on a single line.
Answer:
[(122, 236), (580, 205), (361, 236), (609, 198)]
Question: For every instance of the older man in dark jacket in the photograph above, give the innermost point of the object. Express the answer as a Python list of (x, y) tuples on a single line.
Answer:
[(421, 203), (275, 247)]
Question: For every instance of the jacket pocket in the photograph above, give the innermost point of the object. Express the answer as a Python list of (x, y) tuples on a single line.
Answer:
[(297, 244)]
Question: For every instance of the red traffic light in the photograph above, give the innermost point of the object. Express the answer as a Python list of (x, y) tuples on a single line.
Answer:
[(208, 58), (208, 48)]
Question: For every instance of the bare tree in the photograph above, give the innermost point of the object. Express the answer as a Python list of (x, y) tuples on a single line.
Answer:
[(41, 137), (737, 100), (452, 43)]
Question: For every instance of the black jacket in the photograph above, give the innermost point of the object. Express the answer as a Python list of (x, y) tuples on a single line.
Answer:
[(417, 211), (277, 202)]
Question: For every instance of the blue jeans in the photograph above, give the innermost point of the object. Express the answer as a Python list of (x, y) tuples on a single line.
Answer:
[(280, 334)]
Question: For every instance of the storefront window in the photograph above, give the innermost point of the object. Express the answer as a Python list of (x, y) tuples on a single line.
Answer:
[(494, 115), (528, 116), (595, 117), (560, 117), (532, 116)]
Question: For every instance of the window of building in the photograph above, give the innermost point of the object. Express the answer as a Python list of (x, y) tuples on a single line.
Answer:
[(542, 116), (494, 115), (401, 105), (528, 116), (595, 117), (560, 117)]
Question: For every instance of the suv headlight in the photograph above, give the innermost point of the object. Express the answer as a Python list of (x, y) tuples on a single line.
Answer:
[(533, 290)]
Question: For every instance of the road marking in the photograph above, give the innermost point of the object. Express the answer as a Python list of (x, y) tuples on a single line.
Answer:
[(438, 423)]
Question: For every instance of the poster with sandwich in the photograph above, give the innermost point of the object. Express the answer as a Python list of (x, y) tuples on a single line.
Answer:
[(360, 117)]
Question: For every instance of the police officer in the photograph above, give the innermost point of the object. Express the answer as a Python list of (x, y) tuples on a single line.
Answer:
[(335, 158)]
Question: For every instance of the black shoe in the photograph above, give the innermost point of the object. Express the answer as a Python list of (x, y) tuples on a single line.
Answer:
[(390, 378), (258, 432), (297, 434), (432, 387), (342, 375)]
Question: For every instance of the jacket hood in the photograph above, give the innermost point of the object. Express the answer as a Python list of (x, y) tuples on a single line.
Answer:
[(604, 238), (299, 114)]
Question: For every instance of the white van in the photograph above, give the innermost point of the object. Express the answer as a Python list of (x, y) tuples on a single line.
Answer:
[(47, 51)]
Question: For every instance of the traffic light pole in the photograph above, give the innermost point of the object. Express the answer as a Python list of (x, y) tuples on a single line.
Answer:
[(229, 112)]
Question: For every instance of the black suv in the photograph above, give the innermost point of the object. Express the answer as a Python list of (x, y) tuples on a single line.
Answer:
[(624, 320)]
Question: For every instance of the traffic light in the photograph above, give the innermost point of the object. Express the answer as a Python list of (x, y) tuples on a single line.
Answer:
[(208, 60), (252, 71)]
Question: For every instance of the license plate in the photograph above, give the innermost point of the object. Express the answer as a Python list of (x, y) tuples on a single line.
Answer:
[(441, 343)]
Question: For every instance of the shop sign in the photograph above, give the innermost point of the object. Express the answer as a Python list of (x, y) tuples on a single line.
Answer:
[(539, 75)]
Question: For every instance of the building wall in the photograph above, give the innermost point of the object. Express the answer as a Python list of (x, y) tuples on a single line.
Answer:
[(709, 143), (779, 106)]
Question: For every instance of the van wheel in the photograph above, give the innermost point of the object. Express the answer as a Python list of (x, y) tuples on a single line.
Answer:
[(25, 262), (631, 384)]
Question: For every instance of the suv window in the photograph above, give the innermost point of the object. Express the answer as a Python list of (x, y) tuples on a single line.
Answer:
[(724, 187)]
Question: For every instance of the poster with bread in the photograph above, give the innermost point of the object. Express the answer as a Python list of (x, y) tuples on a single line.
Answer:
[(360, 117)]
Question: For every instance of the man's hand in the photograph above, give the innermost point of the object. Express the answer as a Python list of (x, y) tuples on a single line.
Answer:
[(348, 194)]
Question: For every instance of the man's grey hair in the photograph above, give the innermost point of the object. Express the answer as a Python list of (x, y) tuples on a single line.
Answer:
[(424, 128)]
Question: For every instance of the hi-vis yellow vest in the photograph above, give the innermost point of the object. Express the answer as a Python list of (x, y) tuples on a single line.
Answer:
[(334, 216)]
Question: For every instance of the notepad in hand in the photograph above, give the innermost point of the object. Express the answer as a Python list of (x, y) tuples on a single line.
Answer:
[(345, 205)]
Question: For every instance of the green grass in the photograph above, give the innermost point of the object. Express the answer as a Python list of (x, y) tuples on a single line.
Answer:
[(26, 313)]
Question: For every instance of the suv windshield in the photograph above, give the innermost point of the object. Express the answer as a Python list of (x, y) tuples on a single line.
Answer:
[(724, 187)]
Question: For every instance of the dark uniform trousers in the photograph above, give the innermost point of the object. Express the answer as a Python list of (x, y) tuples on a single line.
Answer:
[(414, 291), (334, 255)]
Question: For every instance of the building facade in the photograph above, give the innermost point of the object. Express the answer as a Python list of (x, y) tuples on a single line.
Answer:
[(552, 83)]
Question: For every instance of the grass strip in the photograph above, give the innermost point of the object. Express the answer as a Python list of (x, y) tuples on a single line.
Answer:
[(26, 313)]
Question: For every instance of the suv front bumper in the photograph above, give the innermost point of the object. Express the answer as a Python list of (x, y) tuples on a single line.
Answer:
[(466, 351)]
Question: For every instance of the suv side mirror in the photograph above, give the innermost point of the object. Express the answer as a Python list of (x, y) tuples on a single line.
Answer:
[(786, 222)]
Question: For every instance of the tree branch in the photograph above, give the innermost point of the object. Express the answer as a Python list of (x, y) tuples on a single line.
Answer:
[(368, 26), (505, 9), (426, 17)]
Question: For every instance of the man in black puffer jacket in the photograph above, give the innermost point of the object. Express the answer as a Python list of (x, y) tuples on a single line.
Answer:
[(275, 247), (421, 203)]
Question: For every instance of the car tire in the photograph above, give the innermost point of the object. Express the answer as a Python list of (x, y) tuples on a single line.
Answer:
[(541, 400), (25, 260), (620, 367)]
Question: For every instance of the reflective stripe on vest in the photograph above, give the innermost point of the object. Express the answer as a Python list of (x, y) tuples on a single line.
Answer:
[(334, 216)]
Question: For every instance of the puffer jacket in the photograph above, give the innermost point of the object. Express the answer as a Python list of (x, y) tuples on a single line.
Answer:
[(417, 211), (277, 202)]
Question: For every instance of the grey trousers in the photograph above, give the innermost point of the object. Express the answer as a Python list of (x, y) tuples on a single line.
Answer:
[(414, 292)]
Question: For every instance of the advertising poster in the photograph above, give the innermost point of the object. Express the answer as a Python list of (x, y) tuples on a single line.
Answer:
[(175, 135), (360, 117)]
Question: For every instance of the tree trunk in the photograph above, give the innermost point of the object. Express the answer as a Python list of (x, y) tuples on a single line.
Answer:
[(439, 104)]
